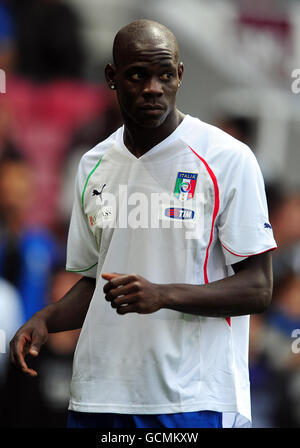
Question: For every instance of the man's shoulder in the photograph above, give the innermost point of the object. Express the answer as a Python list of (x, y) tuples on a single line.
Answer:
[(213, 143), (93, 156), (211, 135)]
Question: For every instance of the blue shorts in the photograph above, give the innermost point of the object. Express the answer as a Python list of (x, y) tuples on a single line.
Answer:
[(200, 419)]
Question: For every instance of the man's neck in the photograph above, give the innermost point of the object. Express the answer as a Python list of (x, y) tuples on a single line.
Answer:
[(140, 140)]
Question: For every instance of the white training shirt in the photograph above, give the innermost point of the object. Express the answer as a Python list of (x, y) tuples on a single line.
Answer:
[(184, 212)]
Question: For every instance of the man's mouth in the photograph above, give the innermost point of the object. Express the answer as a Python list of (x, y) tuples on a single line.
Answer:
[(152, 107)]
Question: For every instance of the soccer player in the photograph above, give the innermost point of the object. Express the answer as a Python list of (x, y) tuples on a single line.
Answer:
[(170, 231)]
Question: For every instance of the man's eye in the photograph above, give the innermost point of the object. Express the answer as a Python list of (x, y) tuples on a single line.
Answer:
[(166, 76), (136, 76)]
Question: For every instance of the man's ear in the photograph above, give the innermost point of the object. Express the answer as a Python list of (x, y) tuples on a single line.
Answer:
[(110, 73), (180, 70)]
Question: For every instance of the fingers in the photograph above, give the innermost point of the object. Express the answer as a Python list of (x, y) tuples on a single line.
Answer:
[(127, 309), (108, 277), (117, 280), (123, 301), (38, 339), (122, 290), (125, 290), (27, 340), (19, 348)]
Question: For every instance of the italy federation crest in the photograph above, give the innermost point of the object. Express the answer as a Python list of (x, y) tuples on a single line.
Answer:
[(185, 185)]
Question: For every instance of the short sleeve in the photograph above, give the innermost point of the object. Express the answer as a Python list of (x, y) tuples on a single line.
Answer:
[(243, 225), (82, 252)]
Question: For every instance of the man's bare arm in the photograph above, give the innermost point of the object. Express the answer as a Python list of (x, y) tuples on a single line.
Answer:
[(66, 314), (70, 311), (248, 291)]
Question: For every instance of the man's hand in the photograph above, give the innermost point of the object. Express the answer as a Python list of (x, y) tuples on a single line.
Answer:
[(248, 291), (131, 293), (28, 340), (66, 314)]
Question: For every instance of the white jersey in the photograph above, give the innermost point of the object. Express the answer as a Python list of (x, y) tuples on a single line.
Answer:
[(184, 212)]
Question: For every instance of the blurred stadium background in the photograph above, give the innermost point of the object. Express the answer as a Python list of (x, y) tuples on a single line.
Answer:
[(240, 58)]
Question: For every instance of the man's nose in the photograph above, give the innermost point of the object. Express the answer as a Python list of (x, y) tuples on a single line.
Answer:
[(152, 87)]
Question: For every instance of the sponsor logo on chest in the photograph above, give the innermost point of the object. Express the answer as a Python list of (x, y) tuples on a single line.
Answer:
[(179, 213)]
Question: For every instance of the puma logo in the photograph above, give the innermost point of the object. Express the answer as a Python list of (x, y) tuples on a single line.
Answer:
[(99, 193)]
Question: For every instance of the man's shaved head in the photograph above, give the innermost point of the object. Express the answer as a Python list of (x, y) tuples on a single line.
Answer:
[(146, 76), (143, 32)]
